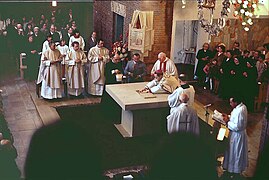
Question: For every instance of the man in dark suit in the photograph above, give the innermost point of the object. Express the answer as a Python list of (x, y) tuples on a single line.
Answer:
[(135, 69), (39, 38), (55, 35), (67, 35), (91, 41)]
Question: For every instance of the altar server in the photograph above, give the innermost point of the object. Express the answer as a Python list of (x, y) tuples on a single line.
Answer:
[(173, 99), (184, 118), (78, 38), (45, 47)]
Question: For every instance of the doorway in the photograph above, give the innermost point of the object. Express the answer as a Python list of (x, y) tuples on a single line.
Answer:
[(118, 22)]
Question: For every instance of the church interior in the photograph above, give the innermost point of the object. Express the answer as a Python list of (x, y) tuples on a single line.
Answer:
[(122, 132)]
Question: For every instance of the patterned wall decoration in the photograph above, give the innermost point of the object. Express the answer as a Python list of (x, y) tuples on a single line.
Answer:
[(252, 39)]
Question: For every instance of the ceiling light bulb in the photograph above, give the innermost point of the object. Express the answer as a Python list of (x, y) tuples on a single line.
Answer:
[(54, 3), (246, 28)]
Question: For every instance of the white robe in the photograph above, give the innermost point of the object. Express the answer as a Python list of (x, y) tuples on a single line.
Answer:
[(236, 156), (51, 82), (96, 78), (64, 50), (75, 78), (45, 47), (155, 87), (183, 119), (173, 99), (80, 40), (171, 68)]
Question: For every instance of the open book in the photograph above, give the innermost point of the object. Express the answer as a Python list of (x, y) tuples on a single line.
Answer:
[(146, 95), (217, 116)]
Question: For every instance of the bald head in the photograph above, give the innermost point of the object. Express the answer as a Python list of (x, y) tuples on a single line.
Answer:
[(162, 56), (116, 58), (184, 98)]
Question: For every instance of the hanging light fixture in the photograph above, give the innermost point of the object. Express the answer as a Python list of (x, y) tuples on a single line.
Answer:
[(244, 10), (211, 28), (54, 3)]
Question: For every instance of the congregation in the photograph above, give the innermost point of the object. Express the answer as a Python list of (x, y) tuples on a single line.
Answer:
[(229, 71)]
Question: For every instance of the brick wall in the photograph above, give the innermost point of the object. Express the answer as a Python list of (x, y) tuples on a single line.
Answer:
[(162, 22)]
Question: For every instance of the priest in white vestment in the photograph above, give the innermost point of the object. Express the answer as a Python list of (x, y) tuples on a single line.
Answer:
[(236, 156), (173, 99), (51, 83), (184, 118), (98, 56), (45, 47), (165, 64), (75, 79)]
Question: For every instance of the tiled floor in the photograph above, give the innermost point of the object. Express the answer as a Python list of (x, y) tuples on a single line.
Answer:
[(21, 116), (24, 113)]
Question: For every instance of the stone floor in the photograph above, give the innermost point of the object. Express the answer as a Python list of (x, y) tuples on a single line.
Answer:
[(21, 116), (25, 113)]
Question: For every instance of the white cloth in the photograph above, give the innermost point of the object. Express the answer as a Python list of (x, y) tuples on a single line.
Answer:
[(50, 93), (96, 78), (236, 156), (80, 40), (183, 119), (171, 68), (155, 87), (173, 99)]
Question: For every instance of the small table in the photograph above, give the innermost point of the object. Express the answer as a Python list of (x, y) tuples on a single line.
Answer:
[(139, 115)]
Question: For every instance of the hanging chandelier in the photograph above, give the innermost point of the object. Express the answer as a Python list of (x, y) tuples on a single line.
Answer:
[(208, 25), (244, 10)]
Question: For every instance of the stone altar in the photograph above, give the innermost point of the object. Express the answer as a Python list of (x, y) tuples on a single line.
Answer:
[(140, 115)]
